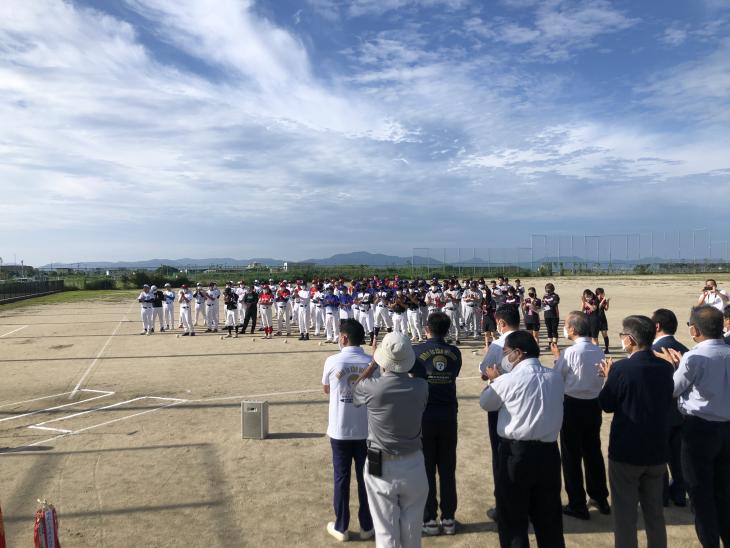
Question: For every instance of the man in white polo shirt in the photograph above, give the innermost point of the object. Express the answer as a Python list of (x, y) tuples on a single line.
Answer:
[(580, 435), (347, 429)]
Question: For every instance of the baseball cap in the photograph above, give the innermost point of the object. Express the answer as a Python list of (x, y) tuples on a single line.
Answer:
[(184, 286), (146, 285), (395, 353), (168, 285)]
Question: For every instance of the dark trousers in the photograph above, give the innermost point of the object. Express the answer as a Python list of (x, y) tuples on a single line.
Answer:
[(706, 467), (439, 453), (494, 440), (343, 453), (250, 315), (580, 446), (551, 324), (528, 488), (677, 490)]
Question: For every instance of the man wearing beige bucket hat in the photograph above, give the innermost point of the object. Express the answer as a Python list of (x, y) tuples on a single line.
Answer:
[(395, 474)]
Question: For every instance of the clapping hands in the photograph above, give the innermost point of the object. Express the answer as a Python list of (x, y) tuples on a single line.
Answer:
[(670, 355)]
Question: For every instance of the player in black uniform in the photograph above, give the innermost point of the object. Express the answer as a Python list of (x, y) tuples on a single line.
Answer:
[(603, 303), (550, 302)]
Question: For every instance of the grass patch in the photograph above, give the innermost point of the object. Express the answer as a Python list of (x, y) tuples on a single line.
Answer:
[(73, 297)]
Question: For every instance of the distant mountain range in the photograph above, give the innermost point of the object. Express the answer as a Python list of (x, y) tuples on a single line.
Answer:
[(354, 258)]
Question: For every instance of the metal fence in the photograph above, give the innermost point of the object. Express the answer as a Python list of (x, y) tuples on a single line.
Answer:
[(16, 291), (688, 251)]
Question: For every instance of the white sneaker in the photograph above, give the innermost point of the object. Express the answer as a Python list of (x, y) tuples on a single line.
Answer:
[(449, 526), (342, 537), (367, 535), (431, 528)]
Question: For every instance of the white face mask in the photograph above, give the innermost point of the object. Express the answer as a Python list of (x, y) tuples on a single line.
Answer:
[(565, 332), (506, 364), (623, 345)]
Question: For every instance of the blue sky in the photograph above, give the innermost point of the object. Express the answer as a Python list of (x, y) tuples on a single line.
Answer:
[(295, 129)]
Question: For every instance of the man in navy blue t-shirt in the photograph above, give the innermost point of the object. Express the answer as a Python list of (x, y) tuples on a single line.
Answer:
[(439, 363)]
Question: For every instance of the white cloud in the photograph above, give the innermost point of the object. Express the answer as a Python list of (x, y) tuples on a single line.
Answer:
[(674, 36), (559, 28)]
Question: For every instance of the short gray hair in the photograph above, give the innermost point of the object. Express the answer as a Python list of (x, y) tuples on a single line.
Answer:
[(578, 322), (641, 329)]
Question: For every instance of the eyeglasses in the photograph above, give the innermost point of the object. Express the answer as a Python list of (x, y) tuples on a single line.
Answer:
[(689, 324)]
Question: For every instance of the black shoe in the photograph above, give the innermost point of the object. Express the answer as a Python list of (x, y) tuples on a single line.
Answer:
[(215, 331), (209, 331), (602, 506), (581, 513), (192, 334), (306, 336), (162, 329), (186, 334), (680, 502), (301, 336), (492, 514)]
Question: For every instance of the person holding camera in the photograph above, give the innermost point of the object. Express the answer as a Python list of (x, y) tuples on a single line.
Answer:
[(713, 296), (395, 474)]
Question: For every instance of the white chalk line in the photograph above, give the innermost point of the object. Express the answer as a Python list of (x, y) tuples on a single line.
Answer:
[(288, 393), (96, 359), (64, 432), (31, 413), (13, 331), (103, 407)]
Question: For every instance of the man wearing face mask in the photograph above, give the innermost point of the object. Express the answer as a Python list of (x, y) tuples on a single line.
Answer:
[(702, 384), (529, 403), (508, 320), (712, 296), (347, 428), (580, 435), (638, 391)]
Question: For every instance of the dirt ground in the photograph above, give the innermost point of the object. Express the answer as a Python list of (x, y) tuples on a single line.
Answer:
[(148, 452)]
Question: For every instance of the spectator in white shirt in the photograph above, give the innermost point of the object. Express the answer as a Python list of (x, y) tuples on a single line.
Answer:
[(530, 405), (713, 296), (347, 429), (507, 319), (702, 383), (580, 435)]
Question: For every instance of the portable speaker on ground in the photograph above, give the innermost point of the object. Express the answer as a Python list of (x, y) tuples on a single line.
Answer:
[(254, 420)]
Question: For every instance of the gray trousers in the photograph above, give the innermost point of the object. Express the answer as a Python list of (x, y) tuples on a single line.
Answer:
[(397, 500), (632, 485)]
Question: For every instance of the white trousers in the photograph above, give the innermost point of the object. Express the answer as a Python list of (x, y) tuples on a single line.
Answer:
[(266, 314), (211, 314), (414, 322), (318, 318), (367, 319), (186, 318), (241, 312), (303, 319), (424, 315), (397, 500), (399, 323), (200, 310), (283, 318), (146, 313), (332, 326), (470, 321), (230, 318), (168, 313), (346, 313), (382, 318), (453, 314)]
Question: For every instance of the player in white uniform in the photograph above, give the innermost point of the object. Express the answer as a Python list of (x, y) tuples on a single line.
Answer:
[(434, 300), (168, 306), (398, 307), (283, 309), (331, 304), (241, 309), (211, 302), (413, 314), (185, 298), (452, 308), (145, 302), (200, 306), (382, 316), (301, 298), (365, 307), (317, 311), (472, 300)]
